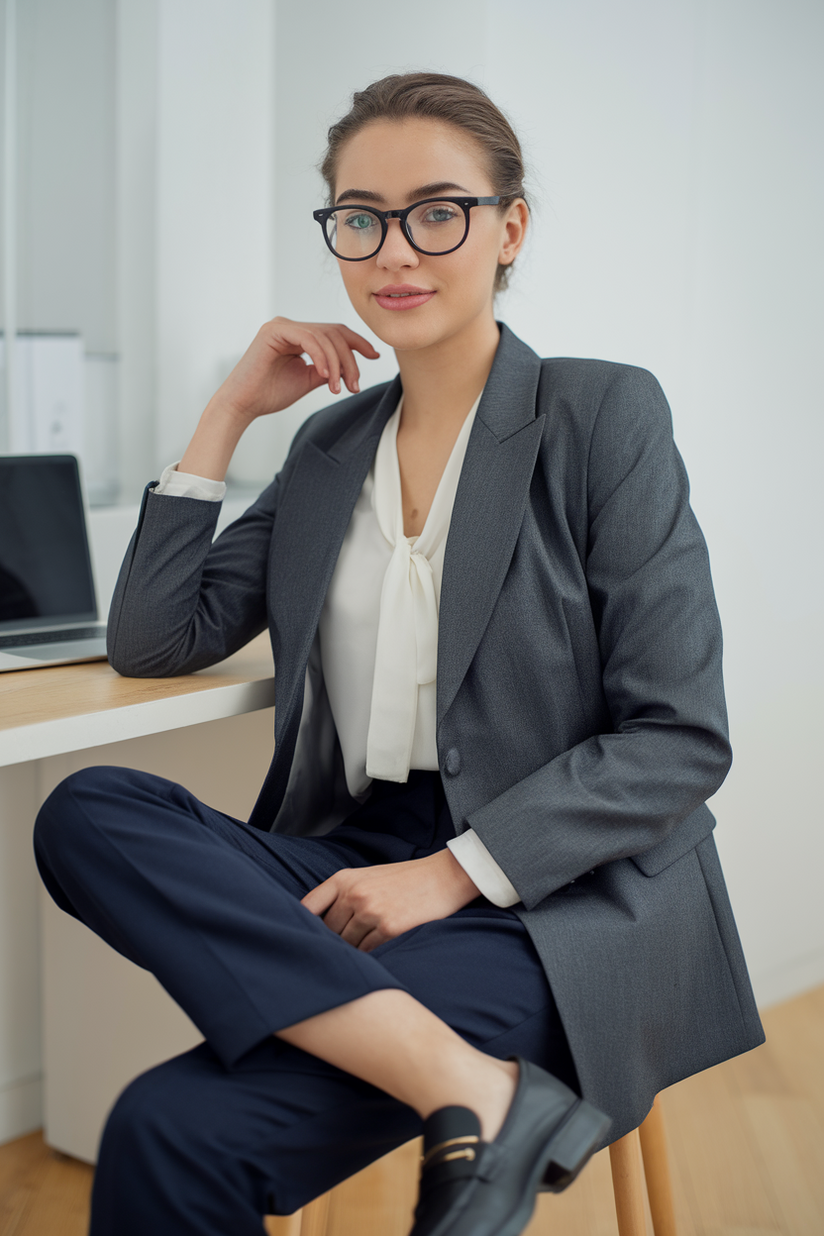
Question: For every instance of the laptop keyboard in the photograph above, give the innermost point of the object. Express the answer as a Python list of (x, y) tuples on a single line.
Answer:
[(50, 637)]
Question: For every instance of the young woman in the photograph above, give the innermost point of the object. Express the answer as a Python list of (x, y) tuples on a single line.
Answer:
[(479, 881)]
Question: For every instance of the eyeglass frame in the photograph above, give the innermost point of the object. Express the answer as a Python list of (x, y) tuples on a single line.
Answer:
[(466, 204)]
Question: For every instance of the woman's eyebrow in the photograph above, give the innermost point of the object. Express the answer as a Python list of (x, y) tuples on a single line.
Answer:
[(366, 195)]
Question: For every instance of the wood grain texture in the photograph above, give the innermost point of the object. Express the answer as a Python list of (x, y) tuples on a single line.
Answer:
[(653, 1138), (283, 1225), (628, 1185), (29, 697), (61, 709), (42, 1191), (746, 1143)]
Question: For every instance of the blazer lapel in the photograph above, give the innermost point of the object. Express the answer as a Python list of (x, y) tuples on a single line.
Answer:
[(310, 525), (489, 508)]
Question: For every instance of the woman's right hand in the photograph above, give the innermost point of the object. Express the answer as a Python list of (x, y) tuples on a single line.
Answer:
[(271, 375)]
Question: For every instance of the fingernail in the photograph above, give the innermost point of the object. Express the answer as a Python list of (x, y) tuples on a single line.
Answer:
[(355, 386)]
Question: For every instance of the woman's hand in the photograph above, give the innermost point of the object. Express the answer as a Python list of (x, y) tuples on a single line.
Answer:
[(367, 906), (272, 373), (270, 376)]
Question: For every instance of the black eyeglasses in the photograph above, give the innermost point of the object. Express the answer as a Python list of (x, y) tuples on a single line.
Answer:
[(434, 226)]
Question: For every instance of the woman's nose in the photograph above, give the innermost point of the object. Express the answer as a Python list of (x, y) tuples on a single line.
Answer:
[(396, 250)]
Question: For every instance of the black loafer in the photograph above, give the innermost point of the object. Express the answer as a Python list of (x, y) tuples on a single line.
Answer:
[(470, 1187)]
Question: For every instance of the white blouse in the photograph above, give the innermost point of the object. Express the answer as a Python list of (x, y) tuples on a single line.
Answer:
[(379, 623), (379, 633)]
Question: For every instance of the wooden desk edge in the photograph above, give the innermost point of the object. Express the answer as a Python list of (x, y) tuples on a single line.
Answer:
[(243, 683)]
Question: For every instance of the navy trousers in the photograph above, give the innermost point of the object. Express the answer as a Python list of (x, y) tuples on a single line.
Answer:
[(244, 1124)]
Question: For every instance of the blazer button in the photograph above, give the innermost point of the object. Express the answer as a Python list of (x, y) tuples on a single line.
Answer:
[(452, 763)]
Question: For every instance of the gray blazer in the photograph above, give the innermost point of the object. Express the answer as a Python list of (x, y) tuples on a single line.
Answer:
[(581, 719)]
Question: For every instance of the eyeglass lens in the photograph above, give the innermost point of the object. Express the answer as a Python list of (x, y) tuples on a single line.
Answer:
[(434, 226)]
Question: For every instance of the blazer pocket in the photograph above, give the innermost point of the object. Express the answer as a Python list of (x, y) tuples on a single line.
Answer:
[(679, 842)]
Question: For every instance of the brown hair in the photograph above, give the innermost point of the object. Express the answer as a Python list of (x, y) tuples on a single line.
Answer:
[(437, 96)]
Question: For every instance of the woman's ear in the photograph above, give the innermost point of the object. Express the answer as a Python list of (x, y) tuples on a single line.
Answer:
[(516, 222)]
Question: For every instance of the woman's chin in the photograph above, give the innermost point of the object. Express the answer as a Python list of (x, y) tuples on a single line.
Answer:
[(410, 330), (406, 335)]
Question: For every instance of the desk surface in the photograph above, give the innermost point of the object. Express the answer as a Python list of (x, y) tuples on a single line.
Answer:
[(71, 707)]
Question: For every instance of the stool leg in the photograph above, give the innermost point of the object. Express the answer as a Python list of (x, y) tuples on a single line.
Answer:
[(283, 1225), (312, 1220), (316, 1216), (628, 1185), (656, 1169)]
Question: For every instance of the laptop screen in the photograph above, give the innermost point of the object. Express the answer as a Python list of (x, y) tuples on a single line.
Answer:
[(45, 569)]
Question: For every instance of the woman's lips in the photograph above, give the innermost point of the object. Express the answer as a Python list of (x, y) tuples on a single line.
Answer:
[(402, 296)]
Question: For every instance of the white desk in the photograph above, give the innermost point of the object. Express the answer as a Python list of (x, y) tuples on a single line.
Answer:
[(104, 1020)]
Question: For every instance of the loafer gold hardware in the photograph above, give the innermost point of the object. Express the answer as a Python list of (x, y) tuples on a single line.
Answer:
[(453, 1141)]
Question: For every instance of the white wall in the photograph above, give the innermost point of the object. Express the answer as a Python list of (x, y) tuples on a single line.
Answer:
[(214, 205), (65, 191), (135, 178), (66, 199), (145, 216)]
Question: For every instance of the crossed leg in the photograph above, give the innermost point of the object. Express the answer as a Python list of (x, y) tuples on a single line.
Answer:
[(247, 1123)]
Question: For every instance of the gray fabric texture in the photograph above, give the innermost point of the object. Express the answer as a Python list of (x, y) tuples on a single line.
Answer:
[(581, 717)]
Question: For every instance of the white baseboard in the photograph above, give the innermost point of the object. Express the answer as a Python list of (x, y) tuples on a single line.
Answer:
[(779, 983), (21, 1107)]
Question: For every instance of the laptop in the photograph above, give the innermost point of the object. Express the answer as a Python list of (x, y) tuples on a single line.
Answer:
[(48, 609)]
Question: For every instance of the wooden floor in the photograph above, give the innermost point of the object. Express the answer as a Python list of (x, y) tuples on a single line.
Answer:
[(746, 1146)]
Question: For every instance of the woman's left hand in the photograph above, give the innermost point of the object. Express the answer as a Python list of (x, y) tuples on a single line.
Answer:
[(367, 906)]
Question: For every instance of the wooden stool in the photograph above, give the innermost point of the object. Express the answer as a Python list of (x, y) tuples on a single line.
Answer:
[(628, 1173), (640, 1154)]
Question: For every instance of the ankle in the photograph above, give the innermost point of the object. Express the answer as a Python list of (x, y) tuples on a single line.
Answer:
[(482, 1083), (497, 1097)]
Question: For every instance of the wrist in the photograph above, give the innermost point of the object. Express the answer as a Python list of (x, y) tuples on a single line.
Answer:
[(224, 416), (210, 451), (465, 887)]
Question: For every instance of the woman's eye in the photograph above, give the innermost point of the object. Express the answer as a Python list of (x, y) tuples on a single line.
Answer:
[(440, 214), (360, 222)]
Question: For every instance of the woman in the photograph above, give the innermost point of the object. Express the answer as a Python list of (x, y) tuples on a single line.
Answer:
[(510, 733)]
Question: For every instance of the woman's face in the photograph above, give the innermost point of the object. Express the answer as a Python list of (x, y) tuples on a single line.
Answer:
[(390, 164)]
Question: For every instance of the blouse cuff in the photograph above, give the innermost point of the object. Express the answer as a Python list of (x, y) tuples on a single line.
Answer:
[(174, 484), (483, 871)]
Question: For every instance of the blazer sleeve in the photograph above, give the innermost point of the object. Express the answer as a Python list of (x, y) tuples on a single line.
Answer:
[(619, 793), (182, 602)]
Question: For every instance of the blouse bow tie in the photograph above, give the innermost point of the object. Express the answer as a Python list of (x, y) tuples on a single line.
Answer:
[(407, 650)]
